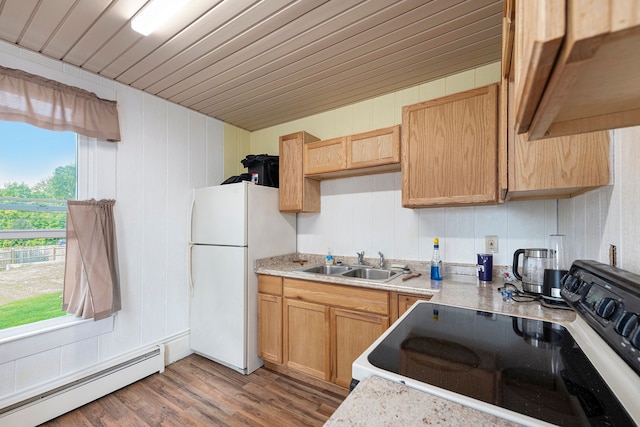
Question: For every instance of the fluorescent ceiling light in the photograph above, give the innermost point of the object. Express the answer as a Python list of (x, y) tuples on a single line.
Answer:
[(154, 14)]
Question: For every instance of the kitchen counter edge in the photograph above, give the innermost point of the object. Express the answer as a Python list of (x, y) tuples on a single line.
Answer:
[(460, 290)]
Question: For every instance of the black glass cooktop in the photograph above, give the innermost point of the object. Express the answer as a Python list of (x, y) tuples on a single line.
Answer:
[(527, 366)]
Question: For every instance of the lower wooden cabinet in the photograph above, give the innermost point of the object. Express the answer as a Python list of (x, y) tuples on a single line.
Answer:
[(400, 303), (306, 338), (270, 328), (325, 327), (320, 329), (270, 318), (406, 301), (351, 333)]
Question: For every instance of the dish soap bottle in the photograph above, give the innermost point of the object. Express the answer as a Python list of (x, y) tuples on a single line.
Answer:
[(329, 258), (436, 262)]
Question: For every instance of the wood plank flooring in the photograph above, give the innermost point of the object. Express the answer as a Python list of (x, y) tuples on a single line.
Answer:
[(195, 391)]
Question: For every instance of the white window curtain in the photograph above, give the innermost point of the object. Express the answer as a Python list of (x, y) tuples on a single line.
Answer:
[(91, 277), (55, 106)]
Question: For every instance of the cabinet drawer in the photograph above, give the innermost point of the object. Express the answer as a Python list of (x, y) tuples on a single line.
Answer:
[(365, 300), (270, 285)]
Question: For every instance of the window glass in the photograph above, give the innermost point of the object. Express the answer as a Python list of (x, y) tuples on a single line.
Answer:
[(37, 176)]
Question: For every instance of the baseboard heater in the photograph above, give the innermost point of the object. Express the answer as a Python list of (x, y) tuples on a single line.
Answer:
[(51, 404)]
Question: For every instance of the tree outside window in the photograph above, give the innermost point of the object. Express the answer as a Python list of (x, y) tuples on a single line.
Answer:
[(37, 176)]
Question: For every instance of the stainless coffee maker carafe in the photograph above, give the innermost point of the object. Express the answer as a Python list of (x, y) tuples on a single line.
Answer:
[(556, 268), (534, 262)]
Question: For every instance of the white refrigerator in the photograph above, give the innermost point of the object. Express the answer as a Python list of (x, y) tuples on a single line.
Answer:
[(231, 226)]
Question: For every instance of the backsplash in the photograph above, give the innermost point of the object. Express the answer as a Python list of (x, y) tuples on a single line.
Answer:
[(366, 214)]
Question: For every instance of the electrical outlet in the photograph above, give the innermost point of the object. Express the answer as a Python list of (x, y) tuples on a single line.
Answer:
[(491, 244), (613, 255)]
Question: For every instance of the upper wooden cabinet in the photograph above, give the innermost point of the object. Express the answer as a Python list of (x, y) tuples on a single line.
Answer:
[(325, 156), (450, 150), (558, 167), (365, 153), (576, 64), (376, 148), (297, 193), (554, 167)]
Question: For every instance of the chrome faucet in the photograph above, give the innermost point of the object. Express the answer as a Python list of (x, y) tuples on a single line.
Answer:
[(381, 260), (360, 257)]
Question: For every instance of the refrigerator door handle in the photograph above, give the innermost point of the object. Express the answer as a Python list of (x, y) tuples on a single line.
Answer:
[(190, 269), (193, 203)]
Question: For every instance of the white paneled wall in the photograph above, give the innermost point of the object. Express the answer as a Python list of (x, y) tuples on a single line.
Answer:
[(609, 215), (365, 213), (166, 150)]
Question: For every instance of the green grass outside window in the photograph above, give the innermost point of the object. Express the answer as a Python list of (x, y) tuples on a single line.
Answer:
[(29, 310)]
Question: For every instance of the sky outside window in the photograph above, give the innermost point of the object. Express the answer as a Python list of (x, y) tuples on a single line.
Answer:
[(29, 154)]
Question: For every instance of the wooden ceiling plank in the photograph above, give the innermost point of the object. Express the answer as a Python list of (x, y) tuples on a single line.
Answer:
[(254, 122), (378, 85), (408, 44), (340, 87), (428, 49), (75, 24), (14, 17), (289, 58), (44, 23), (247, 46)]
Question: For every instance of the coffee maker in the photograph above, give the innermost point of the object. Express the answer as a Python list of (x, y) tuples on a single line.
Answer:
[(558, 266)]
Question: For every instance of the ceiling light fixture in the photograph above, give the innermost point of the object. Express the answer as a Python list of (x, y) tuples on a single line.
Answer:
[(154, 14)]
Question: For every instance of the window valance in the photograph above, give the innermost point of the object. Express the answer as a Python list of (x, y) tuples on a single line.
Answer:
[(55, 106)]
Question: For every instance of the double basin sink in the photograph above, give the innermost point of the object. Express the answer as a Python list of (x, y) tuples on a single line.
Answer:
[(351, 271)]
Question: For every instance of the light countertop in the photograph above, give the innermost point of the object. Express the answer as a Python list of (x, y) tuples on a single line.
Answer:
[(460, 286), (379, 402)]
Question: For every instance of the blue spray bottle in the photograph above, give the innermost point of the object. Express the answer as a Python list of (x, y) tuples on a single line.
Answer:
[(436, 262)]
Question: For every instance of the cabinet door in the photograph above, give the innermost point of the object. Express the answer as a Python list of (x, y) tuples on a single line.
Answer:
[(297, 193), (375, 148), (449, 150), (306, 338), (270, 328), (559, 167), (540, 29), (593, 80), (405, 302), (351, 334), (325, 156)]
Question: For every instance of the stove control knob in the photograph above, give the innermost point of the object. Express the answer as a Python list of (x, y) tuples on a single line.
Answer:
[(635, 338), (626, 324), (605, 307), (571, 284)]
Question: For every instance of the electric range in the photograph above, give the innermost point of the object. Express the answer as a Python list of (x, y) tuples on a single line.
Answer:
[(530, 371)]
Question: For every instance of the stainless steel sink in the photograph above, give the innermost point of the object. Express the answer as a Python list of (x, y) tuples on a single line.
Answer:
[(370, 273), (355, 271), (325, 269)]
